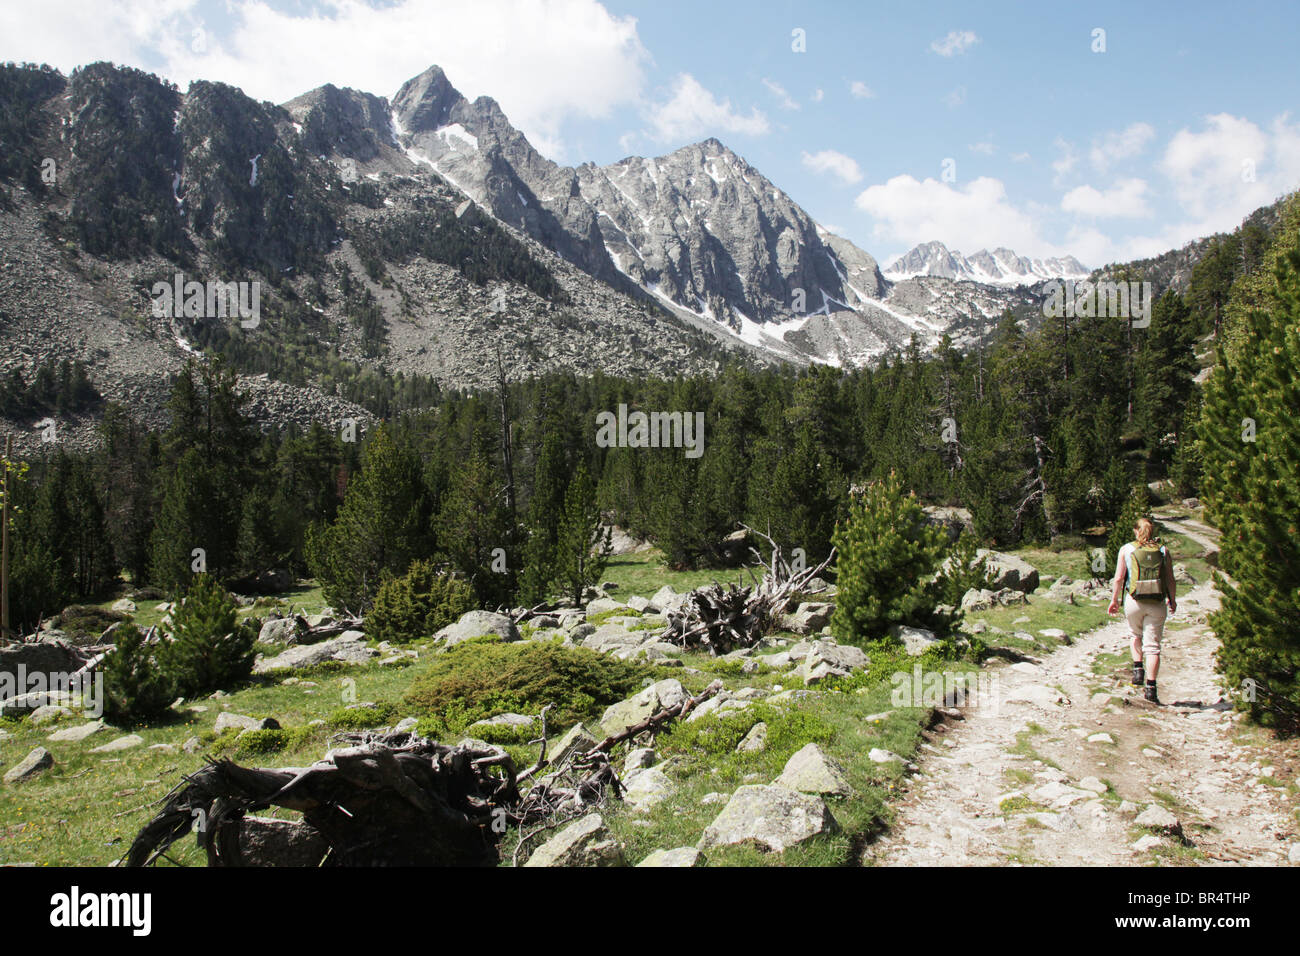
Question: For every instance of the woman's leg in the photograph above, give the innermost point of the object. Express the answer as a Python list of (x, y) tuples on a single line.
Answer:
[(1153, 632), (1133, 614)]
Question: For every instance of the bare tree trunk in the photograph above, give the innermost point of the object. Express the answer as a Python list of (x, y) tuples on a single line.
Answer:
[(4, 546)]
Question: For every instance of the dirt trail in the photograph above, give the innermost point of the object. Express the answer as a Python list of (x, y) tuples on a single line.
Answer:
[(1017, 779)]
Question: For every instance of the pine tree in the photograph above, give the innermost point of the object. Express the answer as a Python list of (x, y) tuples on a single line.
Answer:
[(887, 553), (1251, 486), (473, 523), (418, 604), (135, 688), (211, 649), (191, 517), (583, 548), (543, 520), (381, 527), (1137, 506)]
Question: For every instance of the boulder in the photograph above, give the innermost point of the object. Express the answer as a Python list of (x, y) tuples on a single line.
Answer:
[(682, 856), (648, 788), (1158, 818), (638, 759), (825, 659), (348, 647), (477, 624), (33, 702), (719, 706), (124, 606), (121, 743), (810, 770), (978, 599), (504, 720), (585, 842), (604, 605), (1008, 571), (953, 521), (50, 655), (755, 740), (48, 714), (644, 605), (38, 761), (773, 818), (226, 721), (618, 717), (808, 618), (279, 630), (579, 737), (266, 841), (609, 636), (667, 599), (1009, 596), (77, 733), (915, 639)]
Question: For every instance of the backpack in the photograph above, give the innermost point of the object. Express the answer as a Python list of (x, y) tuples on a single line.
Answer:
[(1146, 580)]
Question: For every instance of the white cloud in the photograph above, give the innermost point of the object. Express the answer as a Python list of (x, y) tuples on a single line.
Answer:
[(1019, 157), (975, 216), (1117, 146), (784, 98), (818, 96), (1064, 164), (861, 91), (1125, 200), (693, 111), (1231, 167), (984, 147), (544, 61), (956, 98), (837, 164), (955, 43)]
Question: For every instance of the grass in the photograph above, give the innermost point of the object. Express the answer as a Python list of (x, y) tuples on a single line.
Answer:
[(88, 807), (1043, 614), (304, 599), (644, 574)]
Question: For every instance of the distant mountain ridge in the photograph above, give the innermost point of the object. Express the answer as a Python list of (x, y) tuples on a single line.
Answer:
[(1001, 266)]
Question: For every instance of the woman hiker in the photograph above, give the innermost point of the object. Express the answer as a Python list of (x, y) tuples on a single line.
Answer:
[(1144, 570)]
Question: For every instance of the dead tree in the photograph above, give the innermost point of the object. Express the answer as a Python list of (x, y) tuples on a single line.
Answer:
[(389, 800), (723, 619), (397, 799)]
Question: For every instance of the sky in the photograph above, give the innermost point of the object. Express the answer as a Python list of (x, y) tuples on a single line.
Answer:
[(1103, 130)]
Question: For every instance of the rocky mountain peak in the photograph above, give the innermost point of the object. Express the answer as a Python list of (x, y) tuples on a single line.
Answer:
[(428, 101)]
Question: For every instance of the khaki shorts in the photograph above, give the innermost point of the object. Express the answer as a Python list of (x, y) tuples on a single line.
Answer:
[(1146, 622)]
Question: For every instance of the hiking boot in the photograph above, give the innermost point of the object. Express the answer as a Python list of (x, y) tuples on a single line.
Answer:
[(1139, 674), (1149, 692)]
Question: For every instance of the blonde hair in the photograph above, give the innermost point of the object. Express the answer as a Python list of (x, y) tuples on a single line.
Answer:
[(1145, 530)]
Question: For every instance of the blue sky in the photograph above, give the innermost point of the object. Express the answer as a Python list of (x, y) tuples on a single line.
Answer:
[(899, 123)]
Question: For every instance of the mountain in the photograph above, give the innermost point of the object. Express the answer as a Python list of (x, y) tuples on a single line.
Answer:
[(699, 231), (999, 267), (407, 244)]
